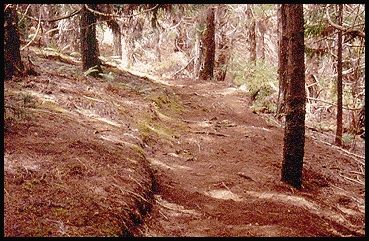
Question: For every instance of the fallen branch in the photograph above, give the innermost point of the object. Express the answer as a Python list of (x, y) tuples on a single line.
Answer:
[(327, 102), (182, 68), (35, 34), (130, 192), (210, 133), (353, 180), (343, 150)]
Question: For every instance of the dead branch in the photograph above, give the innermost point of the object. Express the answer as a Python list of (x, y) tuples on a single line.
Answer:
[(182, 68), (34, 36), (51, 20), (343, 29), (327, 102), (352, 155), (210, 133), (353, 180), (116, 15)]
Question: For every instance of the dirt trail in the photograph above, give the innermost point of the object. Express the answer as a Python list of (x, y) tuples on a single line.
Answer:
[(135, 156), (221, 177)]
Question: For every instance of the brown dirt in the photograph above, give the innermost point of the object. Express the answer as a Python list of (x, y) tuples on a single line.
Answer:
[(134, 156)]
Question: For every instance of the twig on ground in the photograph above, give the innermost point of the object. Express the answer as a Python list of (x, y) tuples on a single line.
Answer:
[(350, 179), (353, 155), (226, 187), (127, 191), (210, 133)]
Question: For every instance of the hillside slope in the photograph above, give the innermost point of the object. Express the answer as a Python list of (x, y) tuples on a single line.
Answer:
[(136, 156)]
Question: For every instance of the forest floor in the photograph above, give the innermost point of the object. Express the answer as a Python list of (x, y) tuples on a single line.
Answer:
[(177, 157)]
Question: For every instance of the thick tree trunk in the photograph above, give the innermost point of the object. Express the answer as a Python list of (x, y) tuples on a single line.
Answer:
[(224, 44), (282, 60), (338, 140), (208, 45), (223, 58), (89, 45), (12, 59), (294, 134)]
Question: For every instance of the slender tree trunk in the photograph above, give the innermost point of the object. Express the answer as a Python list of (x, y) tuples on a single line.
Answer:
[(252, 34), (294, 134), (180, 39), (197, 55), (282, 57), (339, 80), (262, 30), (158, 40), (117, 37), (89, 45), (208, 45), (12, 59)]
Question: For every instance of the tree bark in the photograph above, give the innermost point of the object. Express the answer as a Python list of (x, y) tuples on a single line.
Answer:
[(208, 45), (282, 60), (224, 44), (294, 134), (262, 30), (223, 58), (117, 37), (252, 34), (89, 45), (338, 139), (12, 59), (197, 55)]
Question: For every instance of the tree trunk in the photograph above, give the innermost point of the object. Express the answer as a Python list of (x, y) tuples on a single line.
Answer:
[(282, 57), (338, 140), (89, 45), (12, 59), (223, 58), (180, 41), (252, 34), (117, 37), (294, 134), (262, 30), (224, 44), (197, 55), (208, 45)]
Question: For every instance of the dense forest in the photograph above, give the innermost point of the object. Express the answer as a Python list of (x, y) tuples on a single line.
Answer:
[(184, 119)]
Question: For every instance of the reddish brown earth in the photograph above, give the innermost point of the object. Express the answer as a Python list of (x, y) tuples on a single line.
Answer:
[(135, 156)]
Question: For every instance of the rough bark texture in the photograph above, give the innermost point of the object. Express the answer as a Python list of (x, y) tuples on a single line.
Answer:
[(224, 44), (208, 45), (338, 140), (89, 45), (12, 59), (294, 135), (282, 57), (223, 58)]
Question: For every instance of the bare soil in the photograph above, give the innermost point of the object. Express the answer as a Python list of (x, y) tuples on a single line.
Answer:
[(144, 157)]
